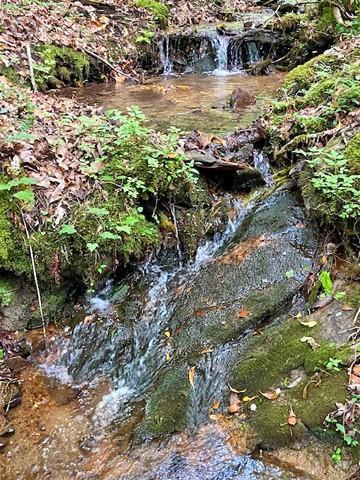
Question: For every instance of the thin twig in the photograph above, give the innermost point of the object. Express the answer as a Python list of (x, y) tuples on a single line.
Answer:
[(31, 68), (35, 279), (112, 67)]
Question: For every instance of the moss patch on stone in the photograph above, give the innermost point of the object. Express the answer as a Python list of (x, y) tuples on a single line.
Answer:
[(166, 409), (269, 361), (59, 66)]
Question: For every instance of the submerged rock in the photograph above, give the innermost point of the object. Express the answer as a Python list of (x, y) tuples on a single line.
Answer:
[(240, 99)]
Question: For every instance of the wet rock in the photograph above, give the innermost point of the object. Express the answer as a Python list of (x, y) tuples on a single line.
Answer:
[(247, 276), (240, 99)]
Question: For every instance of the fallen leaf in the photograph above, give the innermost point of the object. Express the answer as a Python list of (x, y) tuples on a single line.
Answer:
[(354, 379), (191, 374), (356, 370), (310, 324), (298, 315), (243, 313), (215, 405), (310, 341), (272, 394), (206, 350), (249, 399), (346, 308), (167, 334), (168, 357), (323, 303), (234, 403), (216, 416), (292, 419), (234, 390)]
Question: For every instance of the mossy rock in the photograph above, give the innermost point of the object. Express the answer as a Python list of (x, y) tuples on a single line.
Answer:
[(59, 66), (304, 75), (352, 154), (166, 409)]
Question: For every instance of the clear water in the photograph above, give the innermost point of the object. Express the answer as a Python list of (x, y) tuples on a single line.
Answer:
[(189, 102)]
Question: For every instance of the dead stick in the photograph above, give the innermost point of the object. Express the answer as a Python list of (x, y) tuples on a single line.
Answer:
[(35, 278), (31, 69), (117, 70)]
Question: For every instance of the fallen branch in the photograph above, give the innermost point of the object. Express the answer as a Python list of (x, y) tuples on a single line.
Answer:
[(35, 279), (108, 64), (31, 68)]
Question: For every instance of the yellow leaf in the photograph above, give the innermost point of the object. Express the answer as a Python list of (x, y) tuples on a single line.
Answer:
[(310, 324), (167, 334), (249, 399), (215, 405), (168, 357), (206, 350), (192, 373), (298, 315)]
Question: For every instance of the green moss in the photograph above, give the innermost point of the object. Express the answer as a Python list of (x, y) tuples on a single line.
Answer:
[(167, 407), (7, 292), (53, 303), (269, 361), (158, 9), (304, 75), (60, 66), (319, 92), (271, 418), (11, 74), (271, 358), (14, 256)]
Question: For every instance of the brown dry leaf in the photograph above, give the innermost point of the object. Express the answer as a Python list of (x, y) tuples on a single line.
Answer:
[(354, 379), (216, 416), (215, 405), (191, 374), (234, 390), (234, 403), (356, 370), (292, 419), (310, 341), (243, 313), (272, 394), (346, 308)]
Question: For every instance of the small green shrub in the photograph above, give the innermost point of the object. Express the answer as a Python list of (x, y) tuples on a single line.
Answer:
[(158, 9)]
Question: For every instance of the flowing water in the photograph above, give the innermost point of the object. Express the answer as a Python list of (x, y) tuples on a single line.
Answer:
[(190, 102), (86, 402)]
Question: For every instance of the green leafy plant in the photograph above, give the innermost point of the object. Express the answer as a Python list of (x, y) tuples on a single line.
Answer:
[(336, 456), (2, 354), (333, 364), (326, 282)]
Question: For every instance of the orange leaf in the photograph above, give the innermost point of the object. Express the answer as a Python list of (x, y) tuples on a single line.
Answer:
[(272, 394), (243, 313), (215, 405), (292, 419)]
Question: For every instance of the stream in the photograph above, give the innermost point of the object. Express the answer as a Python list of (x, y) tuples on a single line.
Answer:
[(119, 377)]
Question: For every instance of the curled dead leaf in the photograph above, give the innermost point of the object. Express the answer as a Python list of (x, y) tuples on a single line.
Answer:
[(234, 390), (310, 341), (215, 405), (192, 374), (243, 313), (272, 394)]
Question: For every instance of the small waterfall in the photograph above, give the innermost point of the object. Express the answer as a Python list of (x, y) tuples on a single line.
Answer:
[(164, 49), (208, 52), (134, 356), (261, 162), (220, 44)]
